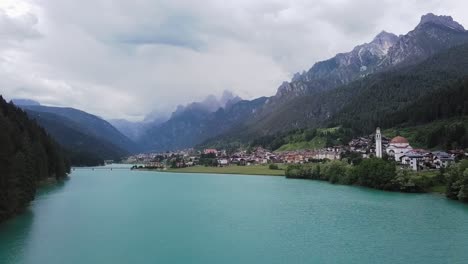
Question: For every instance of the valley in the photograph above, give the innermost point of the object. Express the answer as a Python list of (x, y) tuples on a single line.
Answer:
[(233, 132)]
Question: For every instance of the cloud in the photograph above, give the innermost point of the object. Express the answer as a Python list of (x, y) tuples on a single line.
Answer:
[(124, 59), (16, 29)]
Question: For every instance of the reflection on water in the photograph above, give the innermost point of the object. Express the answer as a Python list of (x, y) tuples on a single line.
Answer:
[(123, 216), (15, 231)]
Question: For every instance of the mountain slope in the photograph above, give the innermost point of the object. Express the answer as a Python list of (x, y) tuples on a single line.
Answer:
[(432, 35), (133, 130), (372, 100), (314, 97), (363, 104), (89, 124), (194, 124), (84, 149)]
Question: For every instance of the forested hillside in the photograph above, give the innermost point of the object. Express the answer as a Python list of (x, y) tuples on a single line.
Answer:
[(88, 124), (84, 149), (383, 99), (28, 155), (370, 102), (437, 120)]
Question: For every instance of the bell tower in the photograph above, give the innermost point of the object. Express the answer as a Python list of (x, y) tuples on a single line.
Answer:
[(378, 143)]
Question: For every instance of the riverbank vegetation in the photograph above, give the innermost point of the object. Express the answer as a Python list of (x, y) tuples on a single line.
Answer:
[(373, 173), (457, 182), (28, 156)]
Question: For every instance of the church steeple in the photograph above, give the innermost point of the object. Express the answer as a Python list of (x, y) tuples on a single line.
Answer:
[(378, 143)]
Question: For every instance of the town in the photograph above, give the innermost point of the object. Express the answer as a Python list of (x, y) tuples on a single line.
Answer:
[(375, 145)]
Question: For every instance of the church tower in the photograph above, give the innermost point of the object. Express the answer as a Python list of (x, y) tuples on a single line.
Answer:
[(378, 143)]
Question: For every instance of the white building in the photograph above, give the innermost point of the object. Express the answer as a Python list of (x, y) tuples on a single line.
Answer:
[(378, 143), (413, 159), (223, 162), (398, 147)]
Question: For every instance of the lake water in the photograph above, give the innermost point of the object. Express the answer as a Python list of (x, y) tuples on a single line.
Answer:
[(123, 216)]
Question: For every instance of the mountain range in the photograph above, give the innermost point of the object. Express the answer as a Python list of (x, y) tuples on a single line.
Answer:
[(372, 85), (318, 96)]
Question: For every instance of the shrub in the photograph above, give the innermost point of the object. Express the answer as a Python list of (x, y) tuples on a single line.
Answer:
[(273, 167)]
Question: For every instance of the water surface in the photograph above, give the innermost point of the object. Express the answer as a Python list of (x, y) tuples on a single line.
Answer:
[(123, 216)]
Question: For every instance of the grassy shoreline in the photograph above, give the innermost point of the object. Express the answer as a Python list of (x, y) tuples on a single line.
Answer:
[(241, 170), (266, 171)]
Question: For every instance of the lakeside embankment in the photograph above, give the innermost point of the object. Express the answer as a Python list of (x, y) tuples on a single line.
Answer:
[(242, 170), (426, 181)]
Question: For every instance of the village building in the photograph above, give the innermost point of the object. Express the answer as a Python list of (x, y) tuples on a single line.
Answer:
[(210, 151), (415, 159), (378, 143), (223, 162), (442, 159), (397, 147)]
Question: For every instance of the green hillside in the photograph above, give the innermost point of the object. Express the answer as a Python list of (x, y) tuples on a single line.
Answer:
[(84, 148), (442, 134), (382, 99), (304, 139), (375, 100)]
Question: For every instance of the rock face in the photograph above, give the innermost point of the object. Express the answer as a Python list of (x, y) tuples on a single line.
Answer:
[(311, 97), (433, 34), (341, 69), (446, 21), (308, 98)]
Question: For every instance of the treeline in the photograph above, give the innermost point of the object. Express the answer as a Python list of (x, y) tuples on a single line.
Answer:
[(373, 173), (457, 182), (208, 160), (28, 155), (431, 90), (384, 175), (331, 137), (449, 136), (448, 102)]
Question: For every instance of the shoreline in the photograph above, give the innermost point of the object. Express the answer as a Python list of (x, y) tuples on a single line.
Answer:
[(239, 170), (247, 171)]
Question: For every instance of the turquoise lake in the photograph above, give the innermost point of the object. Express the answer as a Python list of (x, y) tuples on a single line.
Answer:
[(124, 216)]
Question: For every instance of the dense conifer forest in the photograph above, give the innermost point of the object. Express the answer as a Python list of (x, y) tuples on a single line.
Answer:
[(28, 155)]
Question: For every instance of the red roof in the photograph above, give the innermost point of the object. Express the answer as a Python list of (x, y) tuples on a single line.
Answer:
[(399, 140)]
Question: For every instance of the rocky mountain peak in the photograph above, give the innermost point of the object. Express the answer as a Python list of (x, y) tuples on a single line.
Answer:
[(446, 21), (385, 36), (384, 41)]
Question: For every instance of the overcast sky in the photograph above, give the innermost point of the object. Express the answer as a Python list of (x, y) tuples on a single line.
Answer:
[(125, 58)]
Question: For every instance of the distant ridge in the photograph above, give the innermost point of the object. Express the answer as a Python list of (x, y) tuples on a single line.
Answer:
[(314, 97)]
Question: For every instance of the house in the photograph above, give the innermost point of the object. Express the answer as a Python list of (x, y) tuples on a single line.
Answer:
[(414, 159), (442, 159), (223, 162), (210, 151)]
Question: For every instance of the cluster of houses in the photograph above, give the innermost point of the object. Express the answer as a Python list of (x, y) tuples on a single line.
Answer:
[(399, 149), (376, 145), (304, 156), (259, 155)]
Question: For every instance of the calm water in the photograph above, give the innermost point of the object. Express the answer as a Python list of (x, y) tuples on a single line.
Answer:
[(121, 216)]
